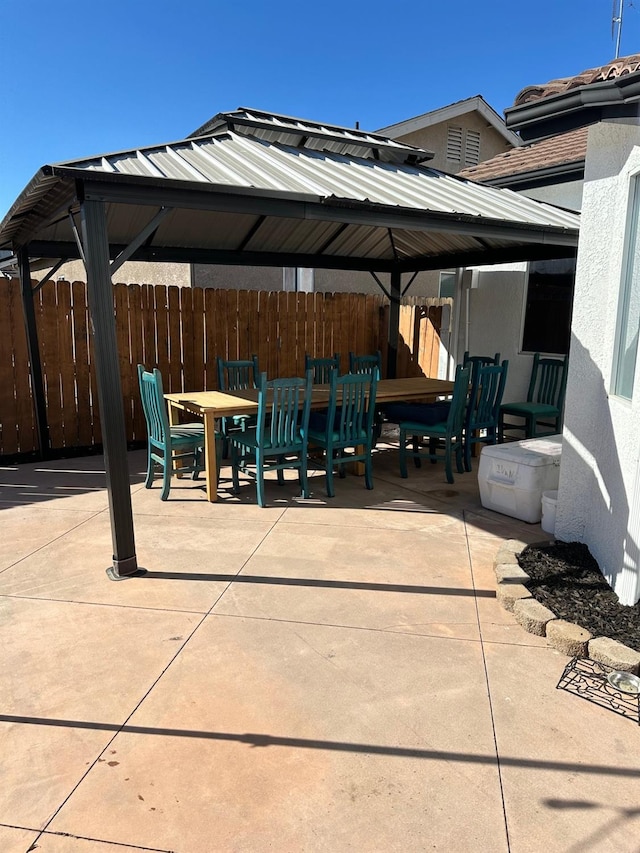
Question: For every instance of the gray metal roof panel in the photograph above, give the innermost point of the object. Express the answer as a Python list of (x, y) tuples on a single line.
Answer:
[(247, 162), (272, 127)]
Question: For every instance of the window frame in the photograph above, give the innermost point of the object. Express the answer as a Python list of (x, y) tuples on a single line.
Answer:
[(631, 251)]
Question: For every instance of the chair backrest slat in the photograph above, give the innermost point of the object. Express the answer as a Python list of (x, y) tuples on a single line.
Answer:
[(153, 404), (238, 374), (283, 411), (352, 405), (322, 368), (548, 381), (455, 419), (365, 363), (475, 362), (487, 389)]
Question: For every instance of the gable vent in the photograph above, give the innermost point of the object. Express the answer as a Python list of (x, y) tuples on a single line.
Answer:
[(454, 143), (472, 148)]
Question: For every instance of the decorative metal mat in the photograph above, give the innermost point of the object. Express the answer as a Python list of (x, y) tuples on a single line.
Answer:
[(588, 679)]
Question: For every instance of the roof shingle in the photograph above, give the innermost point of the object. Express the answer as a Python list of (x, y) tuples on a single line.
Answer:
[(611, 71), (555, 151)]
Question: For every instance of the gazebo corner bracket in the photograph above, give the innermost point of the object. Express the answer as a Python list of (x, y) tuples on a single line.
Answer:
[(137, 241)]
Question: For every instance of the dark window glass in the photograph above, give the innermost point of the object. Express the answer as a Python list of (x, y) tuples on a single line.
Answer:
[(547, 321)]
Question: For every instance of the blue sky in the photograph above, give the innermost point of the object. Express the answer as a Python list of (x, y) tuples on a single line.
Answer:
[(84, 78)]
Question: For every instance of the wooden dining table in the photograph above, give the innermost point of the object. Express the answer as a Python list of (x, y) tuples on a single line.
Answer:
[(212, 405)]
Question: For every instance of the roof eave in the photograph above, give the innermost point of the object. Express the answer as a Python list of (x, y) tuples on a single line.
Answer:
[(477, 102), (608, 93), (559, 173)]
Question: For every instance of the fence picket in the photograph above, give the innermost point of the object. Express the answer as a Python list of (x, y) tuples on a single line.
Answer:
[(181, 332)]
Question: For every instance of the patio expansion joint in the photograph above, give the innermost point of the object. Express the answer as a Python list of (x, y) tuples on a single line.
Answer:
[(47, 598), (55, 539), (346, 627), (40, 832), (118, 729), (489, 697)]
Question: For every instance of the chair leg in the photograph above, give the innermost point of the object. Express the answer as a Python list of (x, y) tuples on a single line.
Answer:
[(417, 462), (150, 469), (467, 454), (197, 460), (260, 477), (166, 478), (235, 488), (342, 471), (304, 483), (459, 466), (368, 470), (447, 462), (329, 474), (403, 454)]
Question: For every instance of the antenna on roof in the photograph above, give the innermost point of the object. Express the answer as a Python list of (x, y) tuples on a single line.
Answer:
[(617, 19)]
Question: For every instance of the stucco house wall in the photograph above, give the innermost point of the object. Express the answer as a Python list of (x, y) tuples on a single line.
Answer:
[(434, 138), (325, 281), (132, 272), (599, 493), (497, 305)]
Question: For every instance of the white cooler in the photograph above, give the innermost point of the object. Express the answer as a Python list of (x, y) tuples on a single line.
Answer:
[(513, 476)]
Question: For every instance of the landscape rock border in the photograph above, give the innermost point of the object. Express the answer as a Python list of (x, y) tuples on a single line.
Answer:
[(566, 637)]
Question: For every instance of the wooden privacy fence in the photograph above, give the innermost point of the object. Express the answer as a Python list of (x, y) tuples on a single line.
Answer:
[(181, 331)]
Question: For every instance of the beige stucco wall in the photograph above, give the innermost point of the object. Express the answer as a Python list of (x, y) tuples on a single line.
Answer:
[(326, 281), (599, 494), (129, 273), (434, 138)]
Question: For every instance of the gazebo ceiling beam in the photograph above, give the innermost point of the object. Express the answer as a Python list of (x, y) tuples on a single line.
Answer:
[(313, 208)]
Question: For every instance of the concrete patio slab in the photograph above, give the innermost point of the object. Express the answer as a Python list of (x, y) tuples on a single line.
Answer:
[(317, 675), (16, 840), (28, 528), (267, 735), (571, 769), (73, 567), (65, 667)]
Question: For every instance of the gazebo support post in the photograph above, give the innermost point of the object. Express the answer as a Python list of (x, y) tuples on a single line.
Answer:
[(35, 365), (100, 298), (395, 296)]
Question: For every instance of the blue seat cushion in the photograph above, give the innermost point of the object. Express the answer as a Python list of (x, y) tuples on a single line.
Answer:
[(421, 413), (318, 420), (526, 409)]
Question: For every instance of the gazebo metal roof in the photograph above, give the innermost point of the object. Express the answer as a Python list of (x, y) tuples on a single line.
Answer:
[(238, 197), (258, 189)]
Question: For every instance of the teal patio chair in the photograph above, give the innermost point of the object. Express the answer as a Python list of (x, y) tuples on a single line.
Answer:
[(167, 446), (368, 364), (482, 417), (279, 438), (322, 367), (236, 375), (475, 362), (365, 363), (445, 437), (348, 423), (543, 409)]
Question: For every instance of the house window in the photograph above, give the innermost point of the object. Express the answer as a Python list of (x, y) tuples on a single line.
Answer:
[(547, 318), (447, 288), (463, 145), (626, 346)]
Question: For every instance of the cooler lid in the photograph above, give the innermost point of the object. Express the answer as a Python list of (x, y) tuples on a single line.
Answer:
[(530, 451)]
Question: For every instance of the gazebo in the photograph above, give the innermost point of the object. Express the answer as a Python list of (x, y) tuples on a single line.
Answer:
[(260, 189)]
